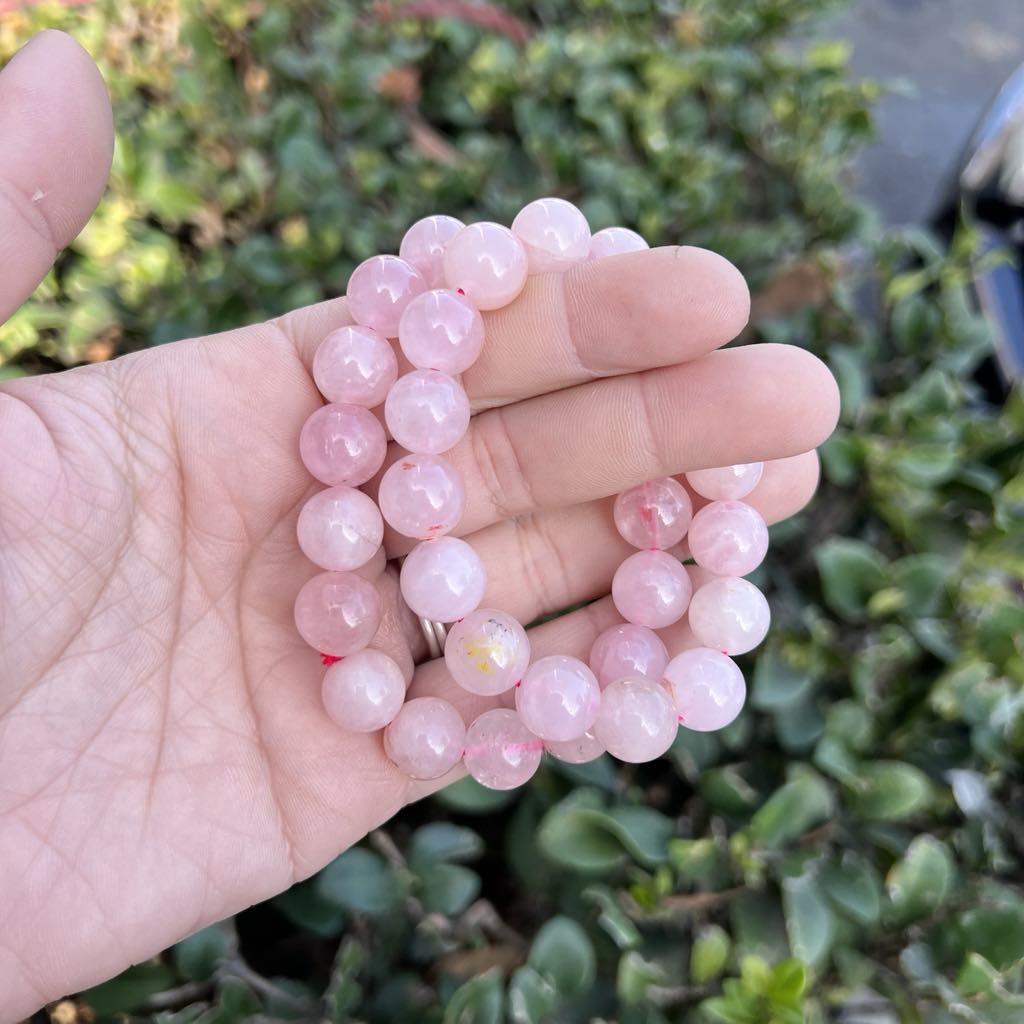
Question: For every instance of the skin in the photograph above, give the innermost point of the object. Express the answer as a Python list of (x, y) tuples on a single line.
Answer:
[(164, 757)]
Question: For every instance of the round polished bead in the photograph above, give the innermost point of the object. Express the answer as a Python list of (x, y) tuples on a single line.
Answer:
[(579, 751), (424, 243), (442, 579), (707, 688), (558, 698), (343, 445), (728, 538), (364, 691), (651, 588), (338, 613), (726, 483), (488, 263), (487, 652), (628, 650), (613, 241), (426, 738), (422, 496), (355, 365), (379, 290), (729, 614), (501, 753), (427, 411), (638, 721), (656, 514), (554, 233), (440, 330), (340, 529)]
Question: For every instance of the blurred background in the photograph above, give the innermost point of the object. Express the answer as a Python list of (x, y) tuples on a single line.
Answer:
[(850, 849)]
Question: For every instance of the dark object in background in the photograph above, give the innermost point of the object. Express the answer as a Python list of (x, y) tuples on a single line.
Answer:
[(989, 191)]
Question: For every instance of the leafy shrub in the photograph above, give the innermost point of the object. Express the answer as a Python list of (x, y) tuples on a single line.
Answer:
[(851, 838)]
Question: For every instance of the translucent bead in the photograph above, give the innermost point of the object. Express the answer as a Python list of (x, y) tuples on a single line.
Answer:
[(488, 263), (424, 243), (379, 290), (426, 738), (638, 721), (364, 691), (442, 579), (440, 330), (501, 753), (654, 515), (578, 751), (427, 411), (554, 233), (558, 698), (728, 538), (613, 241), (651, 588), (487, 652), (628, 650), (729, 615), (338, 613), (727, 483), (422, 496), (340, 529), (355, 365), (343, 445), (707, 687)]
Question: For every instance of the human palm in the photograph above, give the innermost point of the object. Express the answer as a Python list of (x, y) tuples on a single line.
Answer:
[(164, 757)]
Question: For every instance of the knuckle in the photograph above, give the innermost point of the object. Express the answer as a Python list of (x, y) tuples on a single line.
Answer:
[(499, 465)]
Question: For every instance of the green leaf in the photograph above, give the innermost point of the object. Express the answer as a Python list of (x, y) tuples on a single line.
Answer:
[(344, 991), (851, 571), (448, 888), (788, 984), (443, 841), (892, 791), (304, 905), (359, 880), (793, 809), (563, 953), (725, 790), (197, 956), (481, 1000), (613, 919), (709, 954), (778, 683), (635, 976), (809, 921), (531, 998), (695, 860), (996, 932), (854, 887), (921, 882), (468, 797), (129, 989), (920, 579)]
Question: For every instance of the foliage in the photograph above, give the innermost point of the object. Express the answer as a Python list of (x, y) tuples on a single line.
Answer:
[(850, 837)]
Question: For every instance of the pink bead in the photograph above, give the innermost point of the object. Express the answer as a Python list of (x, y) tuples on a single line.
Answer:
[(501, 753), (728, 538), (355, 365), (654, 515), (340, 529), (554, 233), (487, 652), (379, 290), (638, 721), (558, 698), (427, 411), (342, 445), (488, 263), (440, 330), (426, 738), (726, 483), (338, 613), (707, 687), (651, 588), (442, 579), (424, 243), (628, 650), (730, 615), (613, 241), (578, 751), (422, 496), (364, 691)]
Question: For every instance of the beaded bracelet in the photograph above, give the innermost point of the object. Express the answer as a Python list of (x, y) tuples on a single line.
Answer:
[(631, 698)]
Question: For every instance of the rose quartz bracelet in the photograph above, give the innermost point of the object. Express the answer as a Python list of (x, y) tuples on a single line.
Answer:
[(632, 698)]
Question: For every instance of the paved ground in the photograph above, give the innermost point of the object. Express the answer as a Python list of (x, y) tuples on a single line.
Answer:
[(953, 55)]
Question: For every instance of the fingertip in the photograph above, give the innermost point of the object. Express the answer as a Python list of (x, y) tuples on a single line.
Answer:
[(726, 285)]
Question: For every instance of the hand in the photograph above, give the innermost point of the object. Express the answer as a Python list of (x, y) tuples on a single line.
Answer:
[(164, 758)]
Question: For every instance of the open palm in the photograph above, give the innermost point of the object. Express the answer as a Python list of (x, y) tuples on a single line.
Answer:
[(164, 757)]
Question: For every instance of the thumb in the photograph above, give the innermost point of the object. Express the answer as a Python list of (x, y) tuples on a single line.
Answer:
[(56, 142)]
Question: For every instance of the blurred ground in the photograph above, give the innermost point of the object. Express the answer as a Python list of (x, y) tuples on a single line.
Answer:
[(953, 55)]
